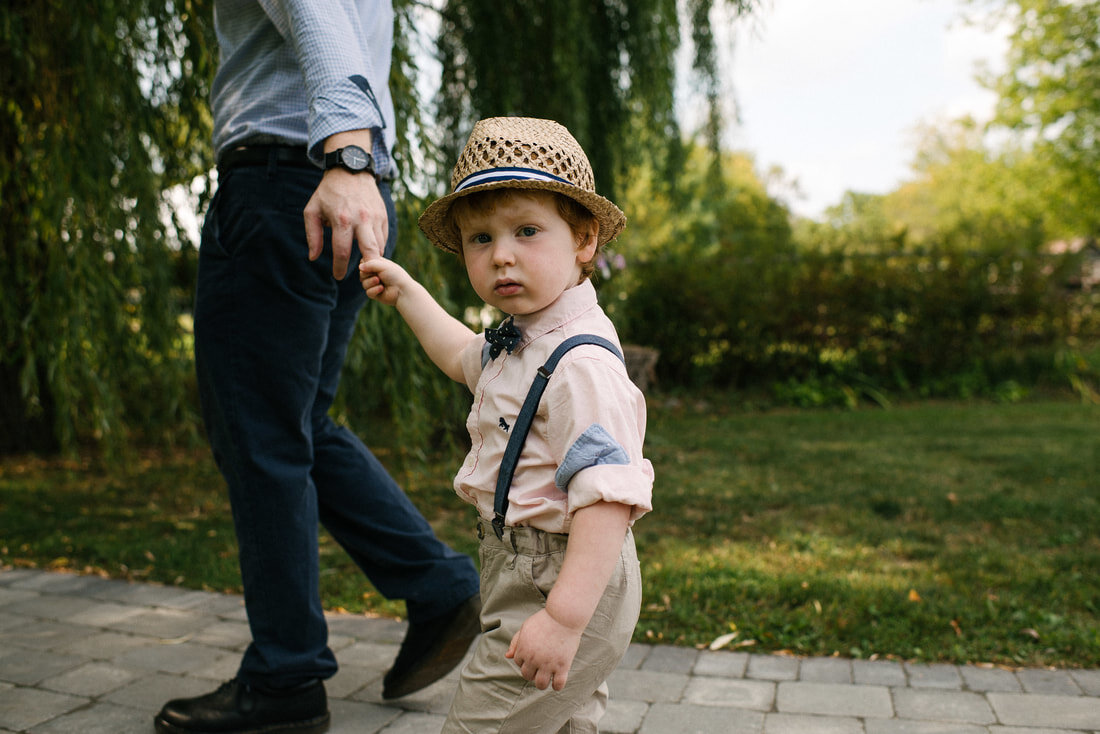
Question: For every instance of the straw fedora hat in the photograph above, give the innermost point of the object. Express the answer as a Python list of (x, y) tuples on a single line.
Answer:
[(521, 153)]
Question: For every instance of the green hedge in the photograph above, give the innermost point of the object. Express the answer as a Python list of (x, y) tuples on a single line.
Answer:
[(834, 328)]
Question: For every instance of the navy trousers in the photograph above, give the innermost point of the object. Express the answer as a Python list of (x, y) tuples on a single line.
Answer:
[(271, 334)]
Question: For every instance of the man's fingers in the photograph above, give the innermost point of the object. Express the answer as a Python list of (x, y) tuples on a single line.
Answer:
[(315, 234), (341, 251)]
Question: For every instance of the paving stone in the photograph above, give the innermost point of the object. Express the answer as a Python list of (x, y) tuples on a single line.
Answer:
[(222, 669), (224, 634), (195, 600), (878, 673), (936, 675), (903, 726), (623, 717), (368, 655), (11, 621), (722, 664), (350, 717), (90, 586), (743, 694), (772, 667), (357, 625), (40, 581), (825, 670), (12, 596), (435, 699), (831, 699), (103, 645), (103, 614), (642, 685), (1055, 682), (1023, 730), (989, 679), (152, 691), (412, 723), (635, 656), (183, 658), (669, 659), (349, 679), (236, 611), (23, 708), (801, 724), (70, 584), (28, 669), (111, 590), (14, 575), (935, 705), (100, 718), (169, 624), (1089, 680), (664, 718), (153, 595), (90, 679), (49, 607), (1059, 712)]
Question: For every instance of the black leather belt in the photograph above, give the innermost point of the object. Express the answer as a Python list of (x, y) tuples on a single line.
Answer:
[(264, 155)]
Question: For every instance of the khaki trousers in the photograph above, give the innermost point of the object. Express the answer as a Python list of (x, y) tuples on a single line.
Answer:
[(517, 574)]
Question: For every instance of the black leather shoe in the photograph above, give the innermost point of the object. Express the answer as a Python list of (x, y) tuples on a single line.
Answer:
[(238, 708), (432, 649)]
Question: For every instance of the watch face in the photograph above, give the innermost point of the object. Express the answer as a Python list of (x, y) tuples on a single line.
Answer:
[(354, 158)]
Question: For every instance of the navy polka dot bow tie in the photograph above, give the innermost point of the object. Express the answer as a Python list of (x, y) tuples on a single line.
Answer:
[(506, 336)]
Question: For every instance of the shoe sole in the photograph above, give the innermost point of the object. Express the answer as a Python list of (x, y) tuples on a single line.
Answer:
[(309, 726), (448, 655)]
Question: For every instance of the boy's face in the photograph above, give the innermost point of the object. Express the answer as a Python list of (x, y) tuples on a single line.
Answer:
[(521, 254)]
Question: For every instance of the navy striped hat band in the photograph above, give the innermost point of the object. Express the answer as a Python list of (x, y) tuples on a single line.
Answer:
[(493, 175)]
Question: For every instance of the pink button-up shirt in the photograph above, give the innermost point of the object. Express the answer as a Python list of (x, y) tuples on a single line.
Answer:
[(591, 413)]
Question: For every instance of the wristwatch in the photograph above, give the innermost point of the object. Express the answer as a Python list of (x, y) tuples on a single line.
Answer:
[(352, 158)]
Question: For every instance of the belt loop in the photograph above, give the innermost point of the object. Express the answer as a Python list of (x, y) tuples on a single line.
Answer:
[(480, 531), (512, 537)]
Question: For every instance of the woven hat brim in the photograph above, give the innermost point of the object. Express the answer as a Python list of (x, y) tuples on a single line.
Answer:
[(433, 221)]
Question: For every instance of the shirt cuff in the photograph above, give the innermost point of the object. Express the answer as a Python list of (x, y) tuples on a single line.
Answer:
[(628, 484)]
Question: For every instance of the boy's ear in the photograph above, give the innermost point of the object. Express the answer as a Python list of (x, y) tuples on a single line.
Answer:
[(587, 241)]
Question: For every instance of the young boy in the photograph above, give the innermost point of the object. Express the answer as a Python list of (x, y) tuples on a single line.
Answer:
[(561, 588)]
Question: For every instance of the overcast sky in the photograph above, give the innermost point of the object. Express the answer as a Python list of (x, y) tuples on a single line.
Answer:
[(833, 91)]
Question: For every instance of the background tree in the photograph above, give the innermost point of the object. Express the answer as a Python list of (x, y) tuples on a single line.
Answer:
[(103, 110), (604, 69), (1051, 90)]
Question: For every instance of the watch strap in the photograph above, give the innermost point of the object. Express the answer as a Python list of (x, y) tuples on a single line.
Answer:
[(336, 158)]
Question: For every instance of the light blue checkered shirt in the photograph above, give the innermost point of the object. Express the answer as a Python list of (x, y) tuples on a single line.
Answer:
[(299, 71)]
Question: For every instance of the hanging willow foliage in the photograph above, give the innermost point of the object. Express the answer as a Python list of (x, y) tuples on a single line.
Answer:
[(606, 69), (103, 109)]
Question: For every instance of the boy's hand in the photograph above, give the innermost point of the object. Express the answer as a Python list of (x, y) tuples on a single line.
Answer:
[(383, 280), (544, 650)]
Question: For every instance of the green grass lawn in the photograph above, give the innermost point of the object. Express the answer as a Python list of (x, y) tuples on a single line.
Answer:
[(947, 531)]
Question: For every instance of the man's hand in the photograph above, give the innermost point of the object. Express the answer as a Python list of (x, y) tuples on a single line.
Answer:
[(350, 204), (544, 650)]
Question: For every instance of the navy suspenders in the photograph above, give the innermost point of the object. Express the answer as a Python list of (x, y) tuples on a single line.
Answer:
[(527, 415)]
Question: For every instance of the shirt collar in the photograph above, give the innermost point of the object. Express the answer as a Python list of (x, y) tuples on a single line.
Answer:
[(571, 304)]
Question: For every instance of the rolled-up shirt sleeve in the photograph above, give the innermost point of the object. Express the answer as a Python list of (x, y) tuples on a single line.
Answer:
[(343, 49), (595, 419)]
